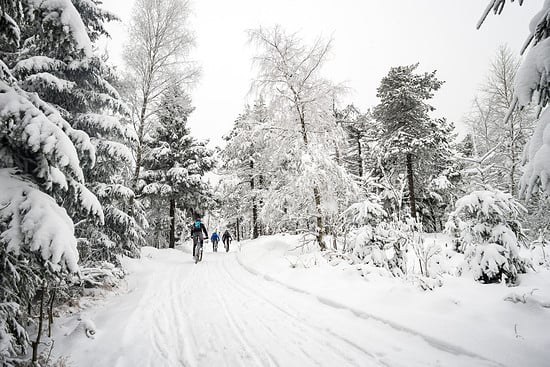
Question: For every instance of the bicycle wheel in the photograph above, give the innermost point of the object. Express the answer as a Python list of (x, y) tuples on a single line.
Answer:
[(195, 250), (200, 253)]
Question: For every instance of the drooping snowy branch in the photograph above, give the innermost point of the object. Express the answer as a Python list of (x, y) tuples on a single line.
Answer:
[(36, 222), (28, 128), (65, 14)]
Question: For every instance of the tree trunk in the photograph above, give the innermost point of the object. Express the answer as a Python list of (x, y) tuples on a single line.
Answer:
[(359, 155), (255, 231), (316, 192), (50, 312), (139, 153), (36, 343), (410, 178), (238, 230), (172, 223), (513, 158), (260, 204), (254, 205), (320, 225)]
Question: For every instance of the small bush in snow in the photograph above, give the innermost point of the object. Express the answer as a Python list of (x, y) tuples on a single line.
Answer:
[(428, 255), (486, 226), (382, 246)]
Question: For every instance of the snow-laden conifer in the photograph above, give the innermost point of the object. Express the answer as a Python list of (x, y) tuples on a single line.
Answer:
[(41, 160), (409, 140), (246, 168), (174, 165), (79, 85), (487, 229)]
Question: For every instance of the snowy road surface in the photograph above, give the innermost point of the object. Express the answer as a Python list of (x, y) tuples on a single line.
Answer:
[(216, 313)]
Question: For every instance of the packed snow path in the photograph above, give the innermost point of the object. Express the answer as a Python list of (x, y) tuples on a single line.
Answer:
[(216, 313)]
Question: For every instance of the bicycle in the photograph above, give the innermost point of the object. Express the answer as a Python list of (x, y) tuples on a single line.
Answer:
[(215, 245), (197, 248), (226, 244)]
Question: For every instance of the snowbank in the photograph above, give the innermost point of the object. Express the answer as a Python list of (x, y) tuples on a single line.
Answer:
[(508, 325)]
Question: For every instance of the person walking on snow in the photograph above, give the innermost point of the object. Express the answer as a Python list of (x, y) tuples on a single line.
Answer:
[(215, 239), (226, 238), (197, 229)]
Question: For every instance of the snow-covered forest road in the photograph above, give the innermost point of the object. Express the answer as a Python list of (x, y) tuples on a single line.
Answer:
[(217, 313)]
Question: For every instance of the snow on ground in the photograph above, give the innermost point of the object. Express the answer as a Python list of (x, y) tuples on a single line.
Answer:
[(249, 307), (463, 313)]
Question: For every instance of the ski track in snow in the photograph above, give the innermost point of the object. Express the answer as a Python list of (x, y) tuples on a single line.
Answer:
[(217, 313)]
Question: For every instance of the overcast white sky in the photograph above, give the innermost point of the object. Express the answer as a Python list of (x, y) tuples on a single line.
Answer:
[(370, 36)]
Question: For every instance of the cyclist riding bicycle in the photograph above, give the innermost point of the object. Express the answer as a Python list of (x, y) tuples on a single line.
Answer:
[(197, 229), (215, 238), (226, 239)]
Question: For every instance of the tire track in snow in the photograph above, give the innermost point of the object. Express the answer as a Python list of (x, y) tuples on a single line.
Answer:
[(218, 313), (437, 345), (323, 338), (216, 343), (308, 328), (169, 346)]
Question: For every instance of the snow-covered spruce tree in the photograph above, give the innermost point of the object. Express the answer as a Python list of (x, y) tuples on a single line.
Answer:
[(79, 84), (487, 228), (360, 220), (40, 167), (310, 186), (409, 139), (175, 163), (373, 240), (244, 160), (357, 127), (156, 56), (532, 85)]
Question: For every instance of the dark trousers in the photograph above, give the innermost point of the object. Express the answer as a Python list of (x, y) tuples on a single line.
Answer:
[(197, 240)]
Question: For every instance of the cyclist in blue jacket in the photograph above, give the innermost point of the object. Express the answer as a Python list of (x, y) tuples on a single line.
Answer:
[(215, 239)]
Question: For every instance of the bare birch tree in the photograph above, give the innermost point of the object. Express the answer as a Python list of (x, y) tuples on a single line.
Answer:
[(491, 131), (156, 56)]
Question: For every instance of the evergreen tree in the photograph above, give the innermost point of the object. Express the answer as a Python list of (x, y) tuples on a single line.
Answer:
[(487, 229), (244, 159), (357, 126), (408, 137), (175, 162), (79, 84), (41, 157)]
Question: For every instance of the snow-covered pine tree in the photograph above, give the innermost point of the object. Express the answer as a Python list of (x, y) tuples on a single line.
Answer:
[(245, 168), (532, 85), (175, 163), (487, 227), (40, 167), (409, 139), (357, 127), (79, 84)]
